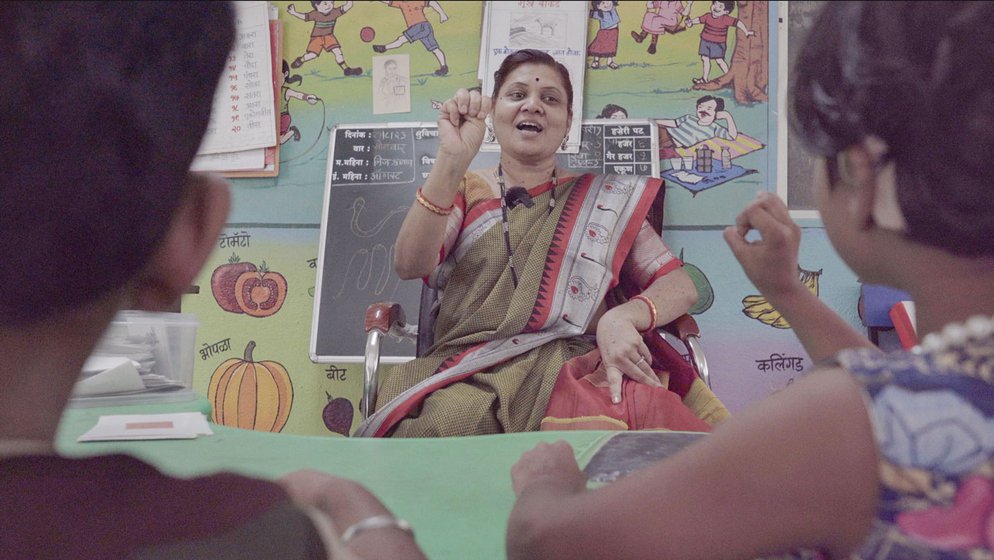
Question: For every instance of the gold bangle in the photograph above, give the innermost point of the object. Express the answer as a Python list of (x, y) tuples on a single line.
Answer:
[(430, 206), (652, 312)]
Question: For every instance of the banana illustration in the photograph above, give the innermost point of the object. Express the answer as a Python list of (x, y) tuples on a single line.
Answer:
[(756, 306)]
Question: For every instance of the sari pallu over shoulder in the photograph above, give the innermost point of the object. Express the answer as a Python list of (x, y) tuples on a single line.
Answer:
[(567, 259)]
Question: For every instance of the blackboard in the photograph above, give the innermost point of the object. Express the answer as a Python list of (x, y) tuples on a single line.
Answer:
[(373, 171)]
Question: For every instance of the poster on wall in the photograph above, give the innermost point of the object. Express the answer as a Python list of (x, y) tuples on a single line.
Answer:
[(558, 28), (795, 166)]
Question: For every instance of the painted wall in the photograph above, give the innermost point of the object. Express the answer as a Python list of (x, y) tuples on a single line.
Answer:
[(275, 224)]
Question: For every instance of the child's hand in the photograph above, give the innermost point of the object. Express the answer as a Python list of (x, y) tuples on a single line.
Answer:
[(770, 261), (548, 464)]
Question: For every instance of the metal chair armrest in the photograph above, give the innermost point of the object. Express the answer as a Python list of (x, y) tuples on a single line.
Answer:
[(685, 328), (381, 318)]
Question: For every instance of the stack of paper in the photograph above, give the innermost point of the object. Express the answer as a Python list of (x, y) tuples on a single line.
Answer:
[(241, 138)]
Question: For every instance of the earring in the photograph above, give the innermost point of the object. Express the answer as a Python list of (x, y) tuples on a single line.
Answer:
[(490, 137), (563, 146)]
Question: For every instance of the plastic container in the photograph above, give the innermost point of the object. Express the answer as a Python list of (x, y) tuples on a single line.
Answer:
[(161, 347)]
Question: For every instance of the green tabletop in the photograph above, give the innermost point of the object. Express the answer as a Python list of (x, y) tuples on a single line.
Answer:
[(456, 492)]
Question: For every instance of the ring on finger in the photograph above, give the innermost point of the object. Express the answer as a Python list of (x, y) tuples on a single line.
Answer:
[(641, 361)]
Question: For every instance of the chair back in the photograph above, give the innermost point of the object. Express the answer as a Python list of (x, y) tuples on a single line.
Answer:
[(427, 312)]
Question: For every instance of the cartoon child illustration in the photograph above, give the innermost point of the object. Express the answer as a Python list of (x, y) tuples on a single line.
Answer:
[(288, 131), (660, 18), (324, 15), (688, 130), (612, 111), (418, 29), (605, 43), (714, 36)]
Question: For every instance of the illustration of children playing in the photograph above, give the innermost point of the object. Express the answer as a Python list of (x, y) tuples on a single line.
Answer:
[(688, 130), (660, 18), (418, 29), (714, 36), (324, 15), (287, 130), (605, 43)]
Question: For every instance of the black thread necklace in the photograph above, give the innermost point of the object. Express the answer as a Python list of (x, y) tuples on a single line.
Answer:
[(504, 220)]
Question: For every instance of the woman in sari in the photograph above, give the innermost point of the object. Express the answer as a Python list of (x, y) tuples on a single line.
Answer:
[(524, 338)]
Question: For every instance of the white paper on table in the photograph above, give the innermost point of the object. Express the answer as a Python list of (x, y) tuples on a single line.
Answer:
[(175, 425)]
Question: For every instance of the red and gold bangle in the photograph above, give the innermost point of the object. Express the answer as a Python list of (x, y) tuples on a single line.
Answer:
[(652, 312), (431, 206)]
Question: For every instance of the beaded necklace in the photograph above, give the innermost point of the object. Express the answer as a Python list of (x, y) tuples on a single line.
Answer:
[(504, 220), (955, 334)]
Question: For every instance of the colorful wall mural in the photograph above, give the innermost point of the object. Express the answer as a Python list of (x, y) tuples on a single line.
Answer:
[(255, 298)]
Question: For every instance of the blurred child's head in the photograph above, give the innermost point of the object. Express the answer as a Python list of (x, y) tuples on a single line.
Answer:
[(921, 84), (105, 105)]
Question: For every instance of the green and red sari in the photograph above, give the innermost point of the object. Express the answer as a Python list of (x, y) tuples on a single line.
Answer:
[(512, 358)]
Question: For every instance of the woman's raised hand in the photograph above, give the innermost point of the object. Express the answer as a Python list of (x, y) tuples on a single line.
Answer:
[(462, 124)]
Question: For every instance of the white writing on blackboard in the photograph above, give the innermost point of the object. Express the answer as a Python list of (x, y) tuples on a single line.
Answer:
[(402, 148), (379, 161), (390, 134), (387, 175)]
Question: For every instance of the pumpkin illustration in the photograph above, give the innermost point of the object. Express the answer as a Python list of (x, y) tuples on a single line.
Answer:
[(250, 395), (260, 293)]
